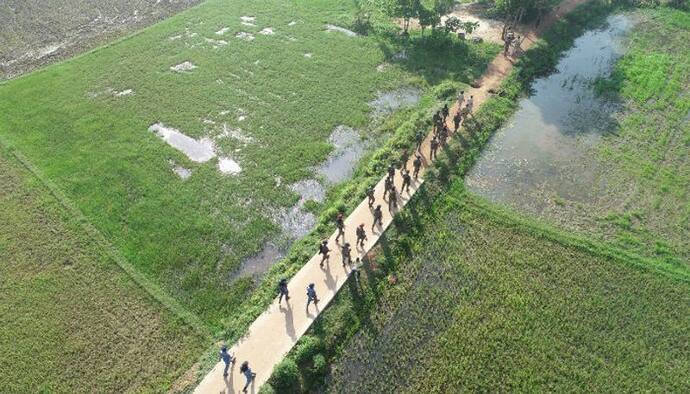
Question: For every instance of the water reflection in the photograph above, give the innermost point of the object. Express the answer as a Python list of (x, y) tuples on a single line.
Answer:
[(545, 150)]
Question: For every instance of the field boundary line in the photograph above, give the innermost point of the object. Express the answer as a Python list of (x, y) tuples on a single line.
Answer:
[(543, 229), (157, 293)]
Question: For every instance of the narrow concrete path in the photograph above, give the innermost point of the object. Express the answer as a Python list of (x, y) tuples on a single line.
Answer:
[(274, 333)]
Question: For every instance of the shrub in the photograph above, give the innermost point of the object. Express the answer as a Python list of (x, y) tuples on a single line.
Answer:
[(285, 378), (307, 348)]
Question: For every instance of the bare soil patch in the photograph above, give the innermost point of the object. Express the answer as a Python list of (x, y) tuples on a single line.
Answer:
[(34, 33)]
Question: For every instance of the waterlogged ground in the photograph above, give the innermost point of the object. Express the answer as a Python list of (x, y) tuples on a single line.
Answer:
[(186, 144), (553, 158), (34, 33)]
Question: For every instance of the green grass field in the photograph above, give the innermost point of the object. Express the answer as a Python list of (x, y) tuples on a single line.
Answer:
[(70, 317), (188, 236), (649, 153), (487, 304)]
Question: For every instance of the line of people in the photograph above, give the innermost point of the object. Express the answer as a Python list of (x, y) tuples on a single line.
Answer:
[(440, 136)]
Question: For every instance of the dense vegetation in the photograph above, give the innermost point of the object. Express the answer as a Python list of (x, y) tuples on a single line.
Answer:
[(70, 317), (456, 261), (189, 236)]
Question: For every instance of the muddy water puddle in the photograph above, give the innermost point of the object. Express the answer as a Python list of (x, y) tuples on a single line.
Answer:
[(348, 149), (545, 153), (197, 150), (342, 30), (388, 102)]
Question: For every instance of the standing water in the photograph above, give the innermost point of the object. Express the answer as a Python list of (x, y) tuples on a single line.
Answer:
[(545, 151)]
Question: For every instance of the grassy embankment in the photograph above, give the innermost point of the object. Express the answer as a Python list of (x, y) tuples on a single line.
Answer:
[(367, 306), (648, 153), (70, 317), (189, 236)]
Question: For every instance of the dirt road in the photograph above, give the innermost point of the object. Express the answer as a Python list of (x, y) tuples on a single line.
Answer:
[(274, 333)]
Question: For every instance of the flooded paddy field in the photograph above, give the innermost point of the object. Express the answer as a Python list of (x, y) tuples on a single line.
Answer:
[(572, 155), (203, 146), (34, 33)]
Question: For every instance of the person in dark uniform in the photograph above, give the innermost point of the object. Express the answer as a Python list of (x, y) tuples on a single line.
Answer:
[(392, 199), (387, 185), (361, 235), (407, 179), (434, 147), (378, 217), (283, 291), (345, 253), (340, 224), (417, 164), (325, 251), (370, 196)]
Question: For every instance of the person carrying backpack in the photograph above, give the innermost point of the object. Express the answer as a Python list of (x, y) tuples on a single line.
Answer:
[(248, 374), (378, 217), (392, 199), (345, 253), (456, 121), (419, 138), (361, 235), (324, 250), (340, 224), (434, 148), (407, 179), (311, 295), (370, 196), (417, 164), (283, 291), (227, 359)]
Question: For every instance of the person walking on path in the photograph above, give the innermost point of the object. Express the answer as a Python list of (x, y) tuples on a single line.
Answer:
[(387, 185), (445, 111), (340, 224), (470, 104), (456, 120), (461, 98), (391, 172), (370, 196), (248, 374), (227, 358), (507, 40), (345, 253), (407, 179), (443, 135), (419, 138), (405, 157), (325, 251), (436, 119), (417, 164), (434, 148), (361, 235), (311, 295), (392, 199), (283, 291), (378, 217)]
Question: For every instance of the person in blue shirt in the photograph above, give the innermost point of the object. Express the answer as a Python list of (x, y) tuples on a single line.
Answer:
[(311, 295), (227, 359), (248, 374)]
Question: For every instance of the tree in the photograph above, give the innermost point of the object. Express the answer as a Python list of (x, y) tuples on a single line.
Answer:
[(426, 18), (403, 9)]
